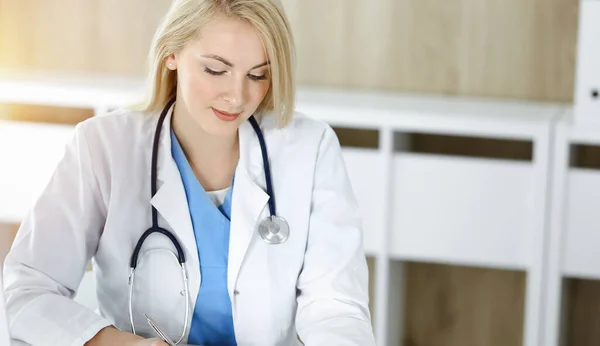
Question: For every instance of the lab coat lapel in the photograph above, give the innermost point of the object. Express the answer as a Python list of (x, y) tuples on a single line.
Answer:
[(171, 203), (249, 200)]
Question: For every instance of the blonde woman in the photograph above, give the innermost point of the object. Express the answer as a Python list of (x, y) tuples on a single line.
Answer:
[(214, 215)]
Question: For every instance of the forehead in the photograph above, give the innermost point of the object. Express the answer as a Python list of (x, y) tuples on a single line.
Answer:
[(232, 39)]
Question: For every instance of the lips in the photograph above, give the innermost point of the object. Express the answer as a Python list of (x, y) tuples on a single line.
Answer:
[(225, 116)]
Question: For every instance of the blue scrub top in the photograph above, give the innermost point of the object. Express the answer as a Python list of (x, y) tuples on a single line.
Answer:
[(212, 322)]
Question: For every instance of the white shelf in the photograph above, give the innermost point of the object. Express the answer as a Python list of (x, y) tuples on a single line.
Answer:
[(429, 114), (574, 232), (491, 224), (362, 165), (434, 208), (582, 226)]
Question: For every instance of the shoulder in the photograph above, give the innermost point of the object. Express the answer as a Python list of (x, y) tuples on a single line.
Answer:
[(303, 124), (304, 150), (117, 140), (119, 124), (303, 131)]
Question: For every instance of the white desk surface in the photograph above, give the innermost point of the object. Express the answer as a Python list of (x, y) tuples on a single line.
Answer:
[(73, 90), (29, 153)]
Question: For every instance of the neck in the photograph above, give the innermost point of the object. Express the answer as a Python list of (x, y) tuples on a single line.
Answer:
[(212, 158)]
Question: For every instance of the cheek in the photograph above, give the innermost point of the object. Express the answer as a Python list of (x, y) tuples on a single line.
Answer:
[(201, 90), (198, 88), (258, 92)]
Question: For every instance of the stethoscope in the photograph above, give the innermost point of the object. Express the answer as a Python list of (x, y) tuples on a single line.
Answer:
[(273, 229)]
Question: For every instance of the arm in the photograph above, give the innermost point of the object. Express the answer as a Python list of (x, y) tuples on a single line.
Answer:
[(333, 285), (49, 255), (110, 336)]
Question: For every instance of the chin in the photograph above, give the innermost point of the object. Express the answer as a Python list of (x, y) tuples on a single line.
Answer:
[(217, 127)]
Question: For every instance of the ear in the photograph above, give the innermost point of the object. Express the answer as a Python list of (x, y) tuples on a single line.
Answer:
[(171, 62)]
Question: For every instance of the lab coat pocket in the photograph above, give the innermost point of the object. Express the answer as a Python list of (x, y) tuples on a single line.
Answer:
[(159, 292)]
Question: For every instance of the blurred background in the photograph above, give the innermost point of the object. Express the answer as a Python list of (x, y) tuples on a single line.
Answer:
[(498, 50)]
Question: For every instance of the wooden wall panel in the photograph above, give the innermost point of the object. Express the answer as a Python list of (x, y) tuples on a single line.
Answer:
[(107, 36), (461, 306), (582, 326), (46, 114), (371, 264), (7, 234), (510, 48)]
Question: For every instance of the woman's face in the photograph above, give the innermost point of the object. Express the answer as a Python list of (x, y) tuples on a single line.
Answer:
[(222, 76)]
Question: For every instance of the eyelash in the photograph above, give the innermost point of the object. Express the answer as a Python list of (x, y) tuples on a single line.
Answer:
[(252, 77)]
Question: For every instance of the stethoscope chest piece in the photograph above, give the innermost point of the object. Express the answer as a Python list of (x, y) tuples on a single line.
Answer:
[(274, 230)]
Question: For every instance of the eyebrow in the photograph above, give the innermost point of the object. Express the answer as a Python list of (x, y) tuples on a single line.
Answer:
[(226, 62)]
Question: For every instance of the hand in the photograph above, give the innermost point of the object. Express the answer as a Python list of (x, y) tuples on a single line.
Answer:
[(110, 336), (150, 342)]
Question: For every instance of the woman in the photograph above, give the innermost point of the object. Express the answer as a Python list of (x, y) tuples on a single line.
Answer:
[(253, 199)]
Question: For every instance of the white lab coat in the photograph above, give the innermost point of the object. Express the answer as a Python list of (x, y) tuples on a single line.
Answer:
[(98, 203)]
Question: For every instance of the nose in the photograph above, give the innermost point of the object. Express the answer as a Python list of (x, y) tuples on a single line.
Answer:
[(236, 93)]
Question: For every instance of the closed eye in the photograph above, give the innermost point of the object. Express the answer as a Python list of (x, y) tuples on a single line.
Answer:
[(214, 73), (219, 73), (257, 78)]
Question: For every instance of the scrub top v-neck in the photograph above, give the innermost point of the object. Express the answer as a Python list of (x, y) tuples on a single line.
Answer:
[(212, 322)]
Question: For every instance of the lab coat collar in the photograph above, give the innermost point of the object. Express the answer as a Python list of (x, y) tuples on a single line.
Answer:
[(249, 198), (165, 158)]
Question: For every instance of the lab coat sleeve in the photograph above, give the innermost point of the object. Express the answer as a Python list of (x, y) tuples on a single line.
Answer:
[(333, 284), (51, 251)]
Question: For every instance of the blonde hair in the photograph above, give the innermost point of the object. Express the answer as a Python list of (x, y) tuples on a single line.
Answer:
[(184, 22)]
